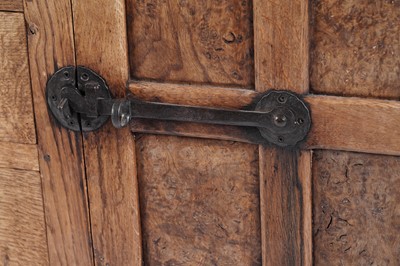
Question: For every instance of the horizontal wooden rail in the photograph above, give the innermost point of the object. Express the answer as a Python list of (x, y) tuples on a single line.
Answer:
[(19, 156), (12, 5), (339, 123)]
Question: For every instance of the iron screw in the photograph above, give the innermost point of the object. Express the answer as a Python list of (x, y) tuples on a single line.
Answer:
[(280, 120), (282, 99), (85, 77)]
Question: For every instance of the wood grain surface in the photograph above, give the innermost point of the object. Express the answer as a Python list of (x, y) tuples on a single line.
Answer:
[(285, 192), (356, 209), (194, 41), (19, 156), (188, 94), (199, 201), (22, 226), (101, 45), (281, 46), (11, 5), (16, 113), (356, 48), (355, 124), (51, 46)]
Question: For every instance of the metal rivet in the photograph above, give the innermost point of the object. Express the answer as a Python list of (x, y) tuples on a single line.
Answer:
[(66, 74), (280, 120), (282, 99), (46, 157), (85, 77), (300, 121)]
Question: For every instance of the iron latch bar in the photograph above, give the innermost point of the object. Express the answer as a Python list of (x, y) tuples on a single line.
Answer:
[(80, 100)]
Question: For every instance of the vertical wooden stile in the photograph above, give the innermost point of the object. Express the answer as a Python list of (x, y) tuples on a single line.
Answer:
[(50, 47), (101, 45), (281, 40)]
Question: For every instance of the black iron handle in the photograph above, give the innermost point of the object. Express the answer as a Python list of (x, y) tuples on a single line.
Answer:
[(123, 111), (80, 100)]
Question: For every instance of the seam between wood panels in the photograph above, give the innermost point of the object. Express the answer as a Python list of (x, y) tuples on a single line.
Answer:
[(83, 143), (11, 11)]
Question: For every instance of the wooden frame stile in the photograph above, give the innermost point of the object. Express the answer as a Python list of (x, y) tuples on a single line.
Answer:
[(281, 45), (51, 46), (101, 45)]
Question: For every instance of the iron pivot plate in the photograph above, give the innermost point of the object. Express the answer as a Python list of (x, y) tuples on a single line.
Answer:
[(64, 90), (80, 100)]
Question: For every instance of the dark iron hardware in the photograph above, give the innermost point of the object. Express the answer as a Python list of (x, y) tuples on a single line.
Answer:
[(80, 100)]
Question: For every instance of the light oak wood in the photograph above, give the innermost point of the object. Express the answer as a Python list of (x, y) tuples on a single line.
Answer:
[(101, 45), (22, 226), (19, 156), (281, 44), (51, 46), (11, 5), (354, 124), (16, 113), (304, 171)]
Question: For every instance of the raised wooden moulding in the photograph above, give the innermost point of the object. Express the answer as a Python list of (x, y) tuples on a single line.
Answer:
[(338, 123)]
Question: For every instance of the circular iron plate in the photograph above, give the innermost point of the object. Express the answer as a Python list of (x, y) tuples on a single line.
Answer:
[(81, 78), (296, 114)]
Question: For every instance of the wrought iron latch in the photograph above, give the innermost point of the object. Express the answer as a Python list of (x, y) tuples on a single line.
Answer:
[(80, 100)]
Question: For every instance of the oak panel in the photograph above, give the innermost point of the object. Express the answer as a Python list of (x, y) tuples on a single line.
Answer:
[(199, 201), (16, 113), (51, 46), (11, 5), (101, 44), (19, 156), (22, 226), (356, 48), (356, 209), (194, 41)]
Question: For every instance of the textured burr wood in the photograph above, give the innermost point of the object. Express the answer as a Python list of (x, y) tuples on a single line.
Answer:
[(356, 48), (193, 41), (199, 201), (356, 209)]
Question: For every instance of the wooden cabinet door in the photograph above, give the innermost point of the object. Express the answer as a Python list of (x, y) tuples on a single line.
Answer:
[(169, 193)]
